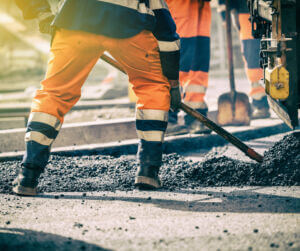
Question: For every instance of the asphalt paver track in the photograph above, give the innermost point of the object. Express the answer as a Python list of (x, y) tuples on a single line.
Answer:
[(106, 173)]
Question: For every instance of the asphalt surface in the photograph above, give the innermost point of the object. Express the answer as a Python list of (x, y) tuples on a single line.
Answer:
[(188, 214), (106, 173), (224, 218)]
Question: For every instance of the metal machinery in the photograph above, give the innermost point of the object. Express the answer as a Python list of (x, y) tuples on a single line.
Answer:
[(276, 23)]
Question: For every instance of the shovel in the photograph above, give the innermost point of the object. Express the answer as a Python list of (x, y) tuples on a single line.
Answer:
[(210, 124), (233, 107)]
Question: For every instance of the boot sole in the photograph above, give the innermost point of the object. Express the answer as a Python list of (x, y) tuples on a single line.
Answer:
[(146, 183), (20, 190)]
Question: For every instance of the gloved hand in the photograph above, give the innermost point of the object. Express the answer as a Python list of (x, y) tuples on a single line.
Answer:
[(45, 19), (175, 95)]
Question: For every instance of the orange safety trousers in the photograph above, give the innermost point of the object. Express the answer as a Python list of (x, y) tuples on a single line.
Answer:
[(73, 55), (250, 50), (193, 21)]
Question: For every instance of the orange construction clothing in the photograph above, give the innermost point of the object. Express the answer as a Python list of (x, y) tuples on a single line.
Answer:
[(193, 20), (73, 55)]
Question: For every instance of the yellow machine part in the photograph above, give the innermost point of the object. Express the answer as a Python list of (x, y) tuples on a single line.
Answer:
[(277, 82)]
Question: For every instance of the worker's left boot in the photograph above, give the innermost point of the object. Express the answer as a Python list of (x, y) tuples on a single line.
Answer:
[(147, 178), (260, 108), (27, 180)]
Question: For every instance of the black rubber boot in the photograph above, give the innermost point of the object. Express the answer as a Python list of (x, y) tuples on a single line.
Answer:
[(147, 178), (27, 180)]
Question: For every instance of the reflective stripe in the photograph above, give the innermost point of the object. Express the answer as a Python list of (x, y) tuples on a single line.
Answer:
[(46, 119), (196, 105), (255, 85), (151, 135), (132, 4), (38, 137), (258, 96), (149, 114), (221, 7), (195, 88), (169, 46), (257, 92), (158, 4)]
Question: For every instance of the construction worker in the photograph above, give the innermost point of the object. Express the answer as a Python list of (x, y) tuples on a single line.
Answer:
[(193, 19), (250, 51), (141, 36)]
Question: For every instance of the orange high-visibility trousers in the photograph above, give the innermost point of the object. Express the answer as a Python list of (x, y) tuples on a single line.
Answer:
[(193, 20), (250, 46), (250, 50), (73, 55)]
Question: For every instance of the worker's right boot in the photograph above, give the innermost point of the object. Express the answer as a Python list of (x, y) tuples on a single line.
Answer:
[(27, 180), (147, 178)]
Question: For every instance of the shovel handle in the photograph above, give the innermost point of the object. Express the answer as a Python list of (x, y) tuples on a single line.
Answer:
[(113, 62), (223, 133), (229, 47), (210, 124)]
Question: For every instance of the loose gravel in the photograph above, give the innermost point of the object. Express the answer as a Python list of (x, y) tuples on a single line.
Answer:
[(106, 173)]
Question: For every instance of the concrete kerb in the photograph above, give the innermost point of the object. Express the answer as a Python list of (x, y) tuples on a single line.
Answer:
[(12, 140), (173, 144)]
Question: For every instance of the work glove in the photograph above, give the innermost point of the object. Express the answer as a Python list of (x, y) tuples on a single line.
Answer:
[(175, 95), (45, 19)]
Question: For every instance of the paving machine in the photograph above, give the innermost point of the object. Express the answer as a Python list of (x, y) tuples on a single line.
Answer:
[(276, 23)]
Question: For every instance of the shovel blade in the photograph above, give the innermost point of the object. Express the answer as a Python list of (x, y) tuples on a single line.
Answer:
[(241, 115)]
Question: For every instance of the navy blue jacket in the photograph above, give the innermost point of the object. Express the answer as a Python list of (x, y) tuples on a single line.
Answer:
[(117, 19)]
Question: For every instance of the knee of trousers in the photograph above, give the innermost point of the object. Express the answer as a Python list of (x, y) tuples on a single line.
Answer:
[(56, 104), (154, 96), (257, 92)]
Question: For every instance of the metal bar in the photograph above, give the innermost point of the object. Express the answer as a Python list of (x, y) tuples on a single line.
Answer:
[(223, 133)]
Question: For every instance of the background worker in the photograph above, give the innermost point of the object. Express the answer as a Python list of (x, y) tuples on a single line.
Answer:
[(193, 20), (141, 36), (250, 50)]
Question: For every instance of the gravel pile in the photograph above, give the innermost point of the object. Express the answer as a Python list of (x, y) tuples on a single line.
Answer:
[(106, 173)]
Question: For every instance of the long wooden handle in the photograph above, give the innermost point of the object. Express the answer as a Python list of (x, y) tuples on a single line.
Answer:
[(210, 124), (113, 62), (229, 47), (222, 132)]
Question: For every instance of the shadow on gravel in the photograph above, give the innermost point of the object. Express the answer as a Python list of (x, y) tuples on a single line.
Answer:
[(28, 240), (245, 201)]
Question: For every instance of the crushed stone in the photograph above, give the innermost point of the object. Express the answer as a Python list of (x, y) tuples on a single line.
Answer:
[(106, 173)]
